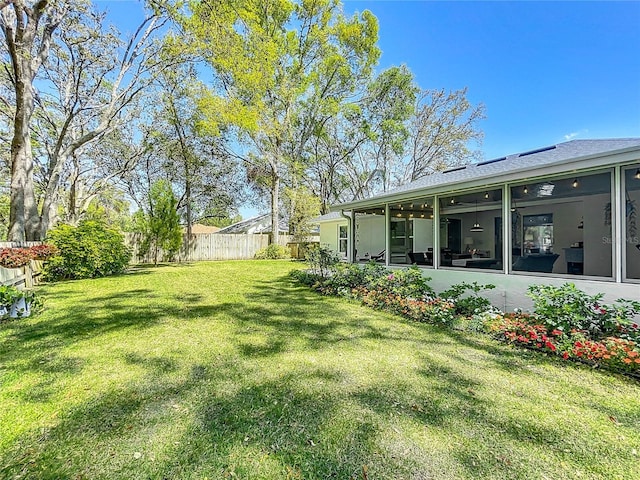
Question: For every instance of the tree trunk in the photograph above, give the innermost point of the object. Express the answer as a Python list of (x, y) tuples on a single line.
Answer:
[(275, 209), (22, 193), (28, 43)]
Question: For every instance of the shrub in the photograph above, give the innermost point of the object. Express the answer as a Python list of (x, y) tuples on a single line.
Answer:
[(567, 308), (89, 250), (321, 260), (10, 295), (273, 252), (409, 283), (472, 304), (610, 352), (305, 278)]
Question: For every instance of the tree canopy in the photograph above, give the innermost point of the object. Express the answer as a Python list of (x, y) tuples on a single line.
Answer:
[(281, 102)]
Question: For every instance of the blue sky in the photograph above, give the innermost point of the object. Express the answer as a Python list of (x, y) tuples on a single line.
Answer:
[(546, 71)]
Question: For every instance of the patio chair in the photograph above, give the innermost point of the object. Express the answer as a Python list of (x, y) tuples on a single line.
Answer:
[(379, 257)]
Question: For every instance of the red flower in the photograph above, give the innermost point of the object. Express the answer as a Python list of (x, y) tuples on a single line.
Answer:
[(565, 355)]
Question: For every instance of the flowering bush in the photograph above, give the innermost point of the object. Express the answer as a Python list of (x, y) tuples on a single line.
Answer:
[(567, 308), (612, 352), (15, 257), (44, 251), (409, 283), (432, 310), (567, 322)]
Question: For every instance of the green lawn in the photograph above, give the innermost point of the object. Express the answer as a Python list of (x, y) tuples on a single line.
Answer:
[(229, 370)]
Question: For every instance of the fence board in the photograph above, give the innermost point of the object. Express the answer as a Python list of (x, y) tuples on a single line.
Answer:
[(207, 246), (26, 276)]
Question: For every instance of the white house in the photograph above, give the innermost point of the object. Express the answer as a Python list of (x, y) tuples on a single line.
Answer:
[(566, 212)]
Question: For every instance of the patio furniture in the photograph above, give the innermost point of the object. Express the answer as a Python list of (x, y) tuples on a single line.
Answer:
[(540, 262)]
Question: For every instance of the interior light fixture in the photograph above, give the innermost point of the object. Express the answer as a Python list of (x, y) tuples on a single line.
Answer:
[(575, 183), (486, 194), (525, 190), (453, 201), (637, 175), (476, 226)]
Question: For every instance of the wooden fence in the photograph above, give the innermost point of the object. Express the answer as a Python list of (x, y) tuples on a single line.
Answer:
[(26, 276), (207, 246), (201, 246)]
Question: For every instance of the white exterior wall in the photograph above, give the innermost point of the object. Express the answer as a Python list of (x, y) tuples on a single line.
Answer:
[(510, 291), (329, 233)]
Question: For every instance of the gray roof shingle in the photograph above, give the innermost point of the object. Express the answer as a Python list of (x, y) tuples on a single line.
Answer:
[(525, 161)]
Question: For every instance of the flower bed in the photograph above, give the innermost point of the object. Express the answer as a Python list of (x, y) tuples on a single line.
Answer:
[(19, 257), (566, 322), (611, 352)]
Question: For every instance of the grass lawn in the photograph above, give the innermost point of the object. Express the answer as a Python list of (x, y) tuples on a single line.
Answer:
[(229, 370)]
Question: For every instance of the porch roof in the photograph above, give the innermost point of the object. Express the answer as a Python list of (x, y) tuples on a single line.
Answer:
[(572, 156)]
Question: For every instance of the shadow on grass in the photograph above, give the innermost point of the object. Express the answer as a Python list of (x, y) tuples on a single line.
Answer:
[(219, 421), (276, 427)]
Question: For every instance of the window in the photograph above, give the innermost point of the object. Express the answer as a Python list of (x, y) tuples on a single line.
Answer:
[(369, 237), (411, 232), (471, 230), (342, 239), (631, 177), (563, 225)]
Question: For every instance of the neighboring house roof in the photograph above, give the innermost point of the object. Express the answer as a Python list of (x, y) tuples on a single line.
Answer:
[(329, 217), (259, 224), (199, 228), (512, 167)]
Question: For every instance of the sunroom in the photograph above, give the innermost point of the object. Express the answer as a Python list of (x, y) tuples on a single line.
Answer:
[(566, 212)]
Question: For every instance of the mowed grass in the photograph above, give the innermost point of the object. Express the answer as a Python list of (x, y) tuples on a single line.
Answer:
[(229, 370)]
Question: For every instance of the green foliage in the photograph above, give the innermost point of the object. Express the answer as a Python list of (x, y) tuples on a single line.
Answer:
[(321, 260), (408, 283), (220, 221), (471, 304), (303, 206), (567, 308), (273, 252), (89, 250), (5, 202), (161, 225), (11, 305), (111, 209)]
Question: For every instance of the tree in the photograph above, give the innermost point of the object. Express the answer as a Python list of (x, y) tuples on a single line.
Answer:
[(197, 162), (89, 92), (160, 225), (441, 130), (28, 32), (352, 154), (303, 206), (283, 65)]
